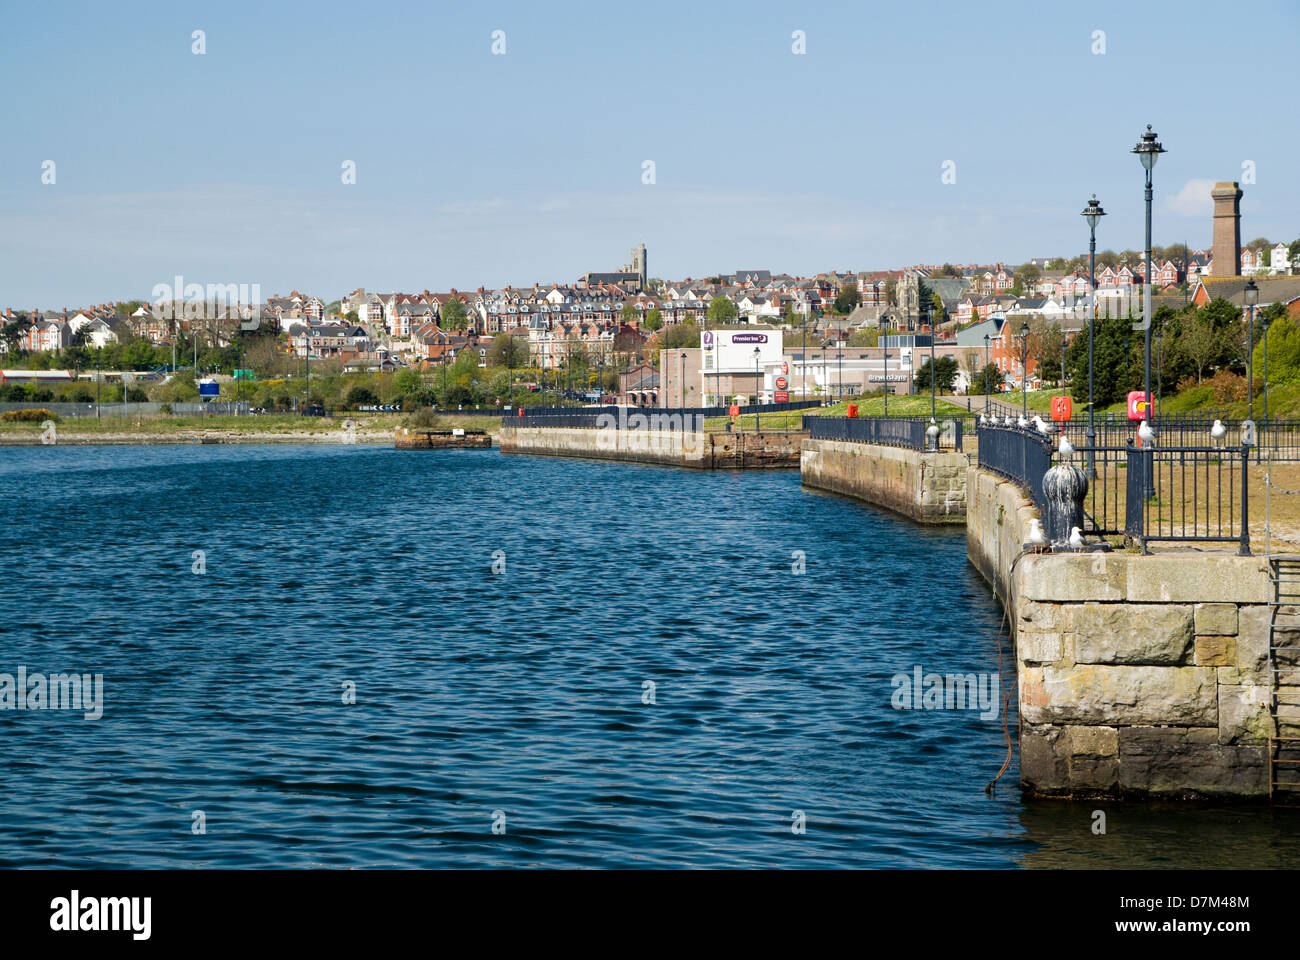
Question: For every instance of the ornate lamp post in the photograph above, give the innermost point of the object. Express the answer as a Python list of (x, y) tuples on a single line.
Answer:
[(758, 378), (1092, 213), (1251, 298), (1148, 151), (825, 379), (683, 380), (1264, 322), (1024, 370)]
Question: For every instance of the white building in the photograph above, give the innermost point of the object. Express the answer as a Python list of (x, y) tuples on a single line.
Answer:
[(733, 361)]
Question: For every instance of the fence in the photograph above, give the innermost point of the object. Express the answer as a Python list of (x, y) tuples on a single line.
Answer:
[(1194, 494), (1019, 455), (218, 408), (888, 431), (635, 418)]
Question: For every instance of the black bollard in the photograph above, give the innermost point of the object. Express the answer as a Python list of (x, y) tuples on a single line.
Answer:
[(1064, 489)]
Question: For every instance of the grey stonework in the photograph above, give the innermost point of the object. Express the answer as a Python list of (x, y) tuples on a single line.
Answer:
[(1138, 675)]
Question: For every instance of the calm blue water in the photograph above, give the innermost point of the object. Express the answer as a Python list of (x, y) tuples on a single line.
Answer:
[(521, 692)]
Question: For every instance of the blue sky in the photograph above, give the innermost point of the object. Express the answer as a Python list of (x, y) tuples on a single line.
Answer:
[(481, 169)]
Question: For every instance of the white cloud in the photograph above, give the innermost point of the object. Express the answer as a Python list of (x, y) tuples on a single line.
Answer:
[(1193, 200)]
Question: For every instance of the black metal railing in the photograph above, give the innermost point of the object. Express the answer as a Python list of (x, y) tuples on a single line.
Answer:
[(910, 432), (1022, 456), (1158, 493), (1188, 494), (638, 418)]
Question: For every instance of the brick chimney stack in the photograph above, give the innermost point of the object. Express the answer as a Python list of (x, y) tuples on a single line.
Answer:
[(1227, 230)]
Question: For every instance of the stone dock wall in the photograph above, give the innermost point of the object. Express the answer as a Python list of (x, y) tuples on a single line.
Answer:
[(1138, 675), (677, 448), (928, 487)]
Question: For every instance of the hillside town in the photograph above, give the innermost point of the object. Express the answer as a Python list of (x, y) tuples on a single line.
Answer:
[(665, 342)]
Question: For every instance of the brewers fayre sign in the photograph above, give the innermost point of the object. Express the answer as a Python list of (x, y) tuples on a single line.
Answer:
[(892, 378)]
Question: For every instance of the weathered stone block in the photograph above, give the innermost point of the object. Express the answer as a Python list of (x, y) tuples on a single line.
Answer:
[(1193, 578), (1216, 651), (1074, 578), (1217, 619), (1043, 765), (1093, 741), (1040, 616), (1179, 761), (1035, 646), (1113, 695), (1131, 633), (1243, 713), (1252, 644)]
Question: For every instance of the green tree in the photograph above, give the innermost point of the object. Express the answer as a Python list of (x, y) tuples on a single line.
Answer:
[(945, 374), (361, 396), (508, 351), (847, 299), (680, 335), (407, 381), (451, 315), (629, 313), (1028, 274), (1112, 366), (722, 312), (654, 320), (987, 380)]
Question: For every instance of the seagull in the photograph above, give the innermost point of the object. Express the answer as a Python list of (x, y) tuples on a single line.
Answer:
[(1076, 539), (1021, 422), (1146, 434), (1217, 433), (1036, 536), (1041, 424), (1067, 448), (1006, 421)]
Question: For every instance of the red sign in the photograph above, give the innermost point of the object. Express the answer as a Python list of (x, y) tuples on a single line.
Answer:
[(781, 383), (521, 411), (781, 396), (1061, 408), (1137, 401), (734, 410)]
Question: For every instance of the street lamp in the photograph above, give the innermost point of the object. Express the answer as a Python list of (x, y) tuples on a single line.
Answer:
[(825, 379), (758, 380), (1024, 370), (1148, 151), (98, 378), (1251, 297), (1264, 322), (1092, 213), (683, 380), (984, 377), (933, 378), (839, 386)]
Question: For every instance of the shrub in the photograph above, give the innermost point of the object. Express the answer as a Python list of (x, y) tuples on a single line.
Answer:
[(360, 397), (424, 418), (1228, 386), (31, 415)]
